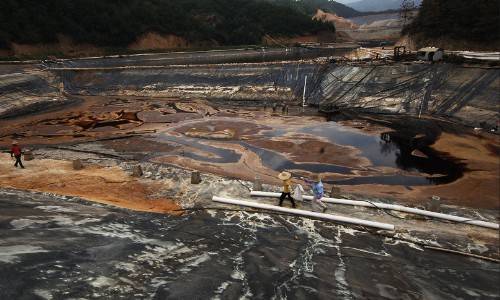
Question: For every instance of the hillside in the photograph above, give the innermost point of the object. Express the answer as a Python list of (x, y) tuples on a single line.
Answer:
[(122, 23), (457, 24)]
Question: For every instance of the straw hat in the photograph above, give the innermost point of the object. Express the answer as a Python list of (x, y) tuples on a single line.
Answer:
[(14, 142), (284, 176)]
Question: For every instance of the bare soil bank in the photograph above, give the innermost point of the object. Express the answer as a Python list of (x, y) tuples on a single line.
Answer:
[(108, 185)]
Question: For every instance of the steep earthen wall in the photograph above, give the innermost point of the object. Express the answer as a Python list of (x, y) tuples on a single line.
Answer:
[(469, 94)]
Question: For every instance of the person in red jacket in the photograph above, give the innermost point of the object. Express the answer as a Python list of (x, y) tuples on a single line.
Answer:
[(16, 152)]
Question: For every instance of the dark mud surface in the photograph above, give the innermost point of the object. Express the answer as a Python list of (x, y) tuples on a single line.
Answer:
[(61, 248), (397, 155)]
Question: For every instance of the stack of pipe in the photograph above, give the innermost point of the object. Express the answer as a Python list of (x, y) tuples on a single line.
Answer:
[(305, 213), (391, 207)]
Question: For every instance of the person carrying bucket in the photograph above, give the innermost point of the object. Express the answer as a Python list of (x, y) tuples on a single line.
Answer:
[(287, 188), (318, 190)]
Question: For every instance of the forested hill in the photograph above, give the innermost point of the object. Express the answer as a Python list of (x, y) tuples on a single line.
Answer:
[(311, 6), (465, 20), (120, 22)]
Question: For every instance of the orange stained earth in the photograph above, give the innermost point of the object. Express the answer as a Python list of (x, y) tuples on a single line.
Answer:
[(107, 185)]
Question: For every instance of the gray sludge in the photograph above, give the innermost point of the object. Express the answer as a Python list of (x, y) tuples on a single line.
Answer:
[(65, 248)]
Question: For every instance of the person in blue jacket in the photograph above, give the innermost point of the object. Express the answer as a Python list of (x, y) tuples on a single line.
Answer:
[(318, 191)]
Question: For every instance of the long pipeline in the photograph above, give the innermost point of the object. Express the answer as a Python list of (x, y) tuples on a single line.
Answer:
[(391, 207), (305, 213)]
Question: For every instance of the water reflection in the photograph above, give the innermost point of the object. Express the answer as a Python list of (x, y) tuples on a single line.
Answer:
[(431, 162), (390, 149), (371, 147)]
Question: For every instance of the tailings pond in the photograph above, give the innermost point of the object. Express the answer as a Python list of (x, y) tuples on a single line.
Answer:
[(397, 156)]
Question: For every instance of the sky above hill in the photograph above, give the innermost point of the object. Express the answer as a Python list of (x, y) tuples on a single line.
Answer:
[(346, 1), (374, 5)]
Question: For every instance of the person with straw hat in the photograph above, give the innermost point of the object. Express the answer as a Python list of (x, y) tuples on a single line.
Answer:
[(287, 188), (318, 190), (16, 152)]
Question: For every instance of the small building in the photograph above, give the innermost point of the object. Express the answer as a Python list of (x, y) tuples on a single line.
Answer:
[(430, 54)]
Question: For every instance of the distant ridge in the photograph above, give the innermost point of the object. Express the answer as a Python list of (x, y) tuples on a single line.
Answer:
[(378, 5), (311, 6)]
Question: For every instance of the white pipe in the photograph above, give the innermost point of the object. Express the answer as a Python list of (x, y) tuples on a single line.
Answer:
[(391, 207), (304, 94), (304, 213)]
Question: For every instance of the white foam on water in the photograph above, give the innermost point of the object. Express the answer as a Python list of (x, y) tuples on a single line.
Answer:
[(156, 255), (87, 220), (26, 223), (102, 281), (156, 283), (10, 254), (212, 213), (471, 292), (394, 242), (193, 262), (382, 253), (303, 265), (62, 221), (44, 294), (348, 230), (239, 274), (340, 271), (249, 221), (196, 261), (220, 290), (476, 246), (130, 267), (55, 208), (59, 220), (124, 231), (387, 291)]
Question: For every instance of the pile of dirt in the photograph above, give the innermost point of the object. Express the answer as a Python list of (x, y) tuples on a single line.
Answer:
[(64, 46), (339, 22), (155, 41)]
